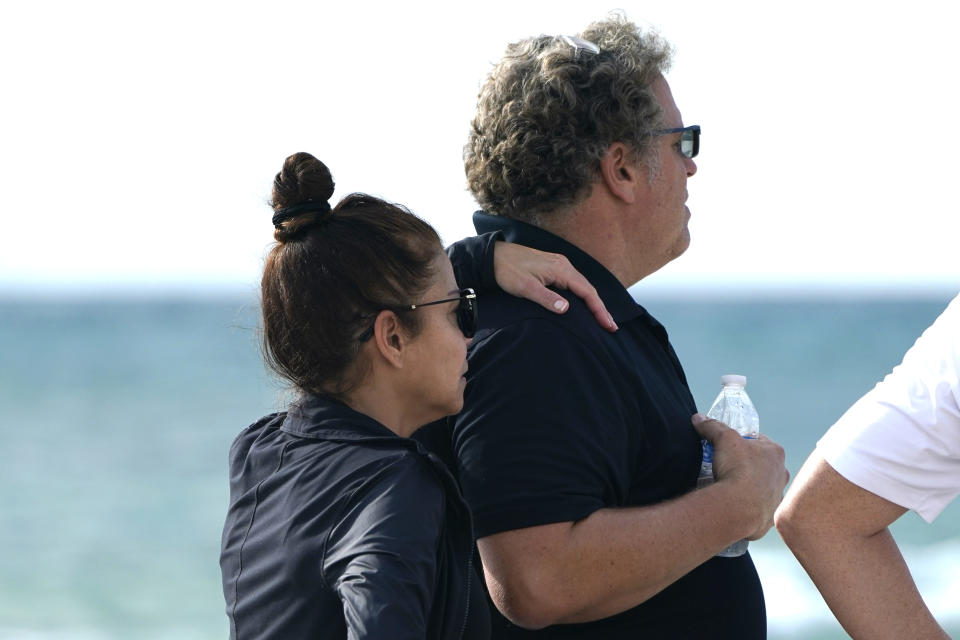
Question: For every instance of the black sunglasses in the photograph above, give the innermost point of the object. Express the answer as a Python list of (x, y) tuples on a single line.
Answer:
[(689, 139), (467, 313)]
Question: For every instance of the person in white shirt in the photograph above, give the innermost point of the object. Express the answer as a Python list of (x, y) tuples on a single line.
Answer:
[(896, 449)]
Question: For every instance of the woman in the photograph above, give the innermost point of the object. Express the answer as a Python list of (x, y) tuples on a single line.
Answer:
[(339, 524)]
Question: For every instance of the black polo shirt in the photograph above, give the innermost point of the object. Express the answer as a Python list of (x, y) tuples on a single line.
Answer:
[(562, 418)]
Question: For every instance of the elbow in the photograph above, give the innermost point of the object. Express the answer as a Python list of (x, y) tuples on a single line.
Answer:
[(532, 575), (529, 604), (527, 615), (782, 522), (790, 524)]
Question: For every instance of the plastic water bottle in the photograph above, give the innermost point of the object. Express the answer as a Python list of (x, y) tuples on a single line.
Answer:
[(706, 467), (733, 408)]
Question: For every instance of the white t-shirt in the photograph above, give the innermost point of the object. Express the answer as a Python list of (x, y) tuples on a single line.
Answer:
[(901, 440)]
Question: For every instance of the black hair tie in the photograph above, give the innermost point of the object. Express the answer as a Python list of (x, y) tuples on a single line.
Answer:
[(291, 212)]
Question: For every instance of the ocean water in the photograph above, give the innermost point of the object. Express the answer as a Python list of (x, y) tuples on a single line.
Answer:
[(116, 416)]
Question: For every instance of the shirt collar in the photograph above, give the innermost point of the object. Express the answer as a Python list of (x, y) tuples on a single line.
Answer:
[(318, 417), (617, 299)]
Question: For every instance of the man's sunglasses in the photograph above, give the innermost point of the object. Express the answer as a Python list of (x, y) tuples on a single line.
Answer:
[(467, 313), (689, 139)]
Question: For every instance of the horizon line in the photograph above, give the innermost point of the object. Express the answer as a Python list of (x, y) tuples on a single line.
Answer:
[(658, 290)]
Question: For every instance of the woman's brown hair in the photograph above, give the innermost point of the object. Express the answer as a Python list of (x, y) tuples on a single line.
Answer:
[(331, 272)]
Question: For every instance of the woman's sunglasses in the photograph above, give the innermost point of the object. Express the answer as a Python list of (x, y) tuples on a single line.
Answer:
[(467, 314)]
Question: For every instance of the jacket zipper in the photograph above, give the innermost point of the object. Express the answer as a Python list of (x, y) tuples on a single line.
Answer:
[(466, 613)]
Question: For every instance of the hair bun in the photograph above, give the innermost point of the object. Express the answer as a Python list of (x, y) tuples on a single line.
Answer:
[(303, 186)]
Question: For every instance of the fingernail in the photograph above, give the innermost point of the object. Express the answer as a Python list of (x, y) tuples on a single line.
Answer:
[(698, 418), (613, 324), (560, 305)]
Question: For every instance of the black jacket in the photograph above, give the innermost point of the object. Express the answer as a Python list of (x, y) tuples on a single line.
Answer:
[(339, 528)]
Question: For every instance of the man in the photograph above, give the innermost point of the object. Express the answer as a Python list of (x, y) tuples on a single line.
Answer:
[(575, 448), (897, 448)]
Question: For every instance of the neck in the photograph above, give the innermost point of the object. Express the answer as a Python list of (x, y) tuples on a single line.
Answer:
[(381, 401), (596, 228)]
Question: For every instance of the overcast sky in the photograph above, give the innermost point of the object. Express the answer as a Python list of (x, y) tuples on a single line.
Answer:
[(138, 140)]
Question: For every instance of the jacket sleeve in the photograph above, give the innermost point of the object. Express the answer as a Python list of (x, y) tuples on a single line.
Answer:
[(381, 558), (472, 260)]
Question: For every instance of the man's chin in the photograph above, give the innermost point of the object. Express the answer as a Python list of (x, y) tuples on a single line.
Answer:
[(683, 243)]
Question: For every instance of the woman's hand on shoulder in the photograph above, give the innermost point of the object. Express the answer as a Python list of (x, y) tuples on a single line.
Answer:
[(526, 273)]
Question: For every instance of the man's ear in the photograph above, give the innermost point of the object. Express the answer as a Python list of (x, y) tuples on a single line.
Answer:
[(621, 172), (390, 338)]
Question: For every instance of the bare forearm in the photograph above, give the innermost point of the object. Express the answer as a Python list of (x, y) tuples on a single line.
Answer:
[(647, 549), (839, 533), (614, 559), (868, 586)]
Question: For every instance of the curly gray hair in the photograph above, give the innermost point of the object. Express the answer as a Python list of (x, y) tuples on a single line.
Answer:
[(549, 111)]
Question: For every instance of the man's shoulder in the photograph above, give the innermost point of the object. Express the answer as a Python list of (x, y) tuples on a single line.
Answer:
[(504, 315), (525, 355)]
